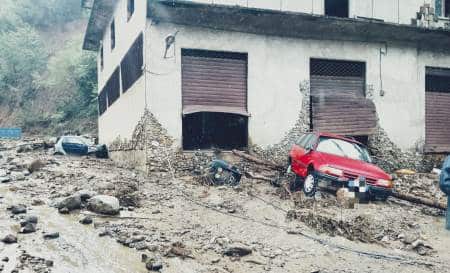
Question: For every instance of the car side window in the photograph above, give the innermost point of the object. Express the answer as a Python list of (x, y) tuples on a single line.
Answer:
[(301, 140), (304, 140), (309, 141)]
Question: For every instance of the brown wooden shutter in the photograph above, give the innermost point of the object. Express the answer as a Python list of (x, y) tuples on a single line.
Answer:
[(132, 64), (437, 108), (214, 82), (338, 98)]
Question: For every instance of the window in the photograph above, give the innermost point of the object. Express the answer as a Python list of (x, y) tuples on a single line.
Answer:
[(101, 58), (343, 148), (336, 8), (131, 65), (130, 9), (113, 35), (447, 8)]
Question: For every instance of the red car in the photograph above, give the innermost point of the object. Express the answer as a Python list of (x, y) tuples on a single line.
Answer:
[(339, 162)]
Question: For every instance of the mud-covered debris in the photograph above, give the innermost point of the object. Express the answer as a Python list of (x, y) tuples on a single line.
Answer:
[(152, 264), (29, 219)]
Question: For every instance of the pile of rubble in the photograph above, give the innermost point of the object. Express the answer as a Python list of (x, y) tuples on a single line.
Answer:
[(424, 185)]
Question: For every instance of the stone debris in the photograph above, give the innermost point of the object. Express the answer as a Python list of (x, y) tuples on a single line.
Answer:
[(9, 239), (237, 250), (71, 203), (87, 220), (104, 204), (18, 209), (51, 235)]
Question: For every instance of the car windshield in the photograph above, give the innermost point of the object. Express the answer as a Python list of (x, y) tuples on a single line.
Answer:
[(343, 148)]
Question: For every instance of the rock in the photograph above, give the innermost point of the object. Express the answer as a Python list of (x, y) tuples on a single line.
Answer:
[(85, 194), (5, 179), (51, 235), (18, 209), (49, 263), (37, 202), (17, 176), (104, 204), (35, 165), (28, 228), (154, 265), (237, 250), (24, 148), (31, 219), (71, 203), (9, 239), (5, 259), (63, 210), (87, 220), (344, 199)]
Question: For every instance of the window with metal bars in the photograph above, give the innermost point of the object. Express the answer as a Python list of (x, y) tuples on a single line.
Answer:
[(132, 64), (321, 67)]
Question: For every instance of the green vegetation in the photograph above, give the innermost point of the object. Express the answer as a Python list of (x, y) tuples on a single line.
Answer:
[(47, 83)]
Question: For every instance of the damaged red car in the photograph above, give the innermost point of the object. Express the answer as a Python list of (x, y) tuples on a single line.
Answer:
[(338, 162)]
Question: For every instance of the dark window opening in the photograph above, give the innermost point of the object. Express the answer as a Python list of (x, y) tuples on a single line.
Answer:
[(101, 58), (112, 87), (113, 35), (132, 63), (437, 80), (102, 102), (336, 8), (207, 130), (362, 139), (130, 9), (447, 8)]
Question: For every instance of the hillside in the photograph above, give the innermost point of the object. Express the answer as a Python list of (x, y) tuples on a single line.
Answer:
[(47, 83)]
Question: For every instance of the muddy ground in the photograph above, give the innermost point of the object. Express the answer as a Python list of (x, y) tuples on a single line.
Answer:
[(184, 226)]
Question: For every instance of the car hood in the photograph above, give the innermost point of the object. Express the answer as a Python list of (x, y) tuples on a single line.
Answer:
[(354, 166)]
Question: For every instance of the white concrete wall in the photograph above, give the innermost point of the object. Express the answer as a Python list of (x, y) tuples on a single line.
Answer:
[(120, 119), (277, 65), (393, 11)]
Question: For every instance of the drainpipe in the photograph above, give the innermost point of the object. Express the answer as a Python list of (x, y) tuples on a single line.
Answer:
[(447, 226)]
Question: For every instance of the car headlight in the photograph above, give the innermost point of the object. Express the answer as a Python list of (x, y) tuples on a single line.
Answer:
[(384, 183), (331, 171)]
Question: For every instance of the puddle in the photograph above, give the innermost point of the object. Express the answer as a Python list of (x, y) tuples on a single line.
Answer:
[(78, 249)]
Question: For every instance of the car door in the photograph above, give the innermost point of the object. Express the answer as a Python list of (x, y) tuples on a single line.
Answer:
[(72, 145), (300, 155)]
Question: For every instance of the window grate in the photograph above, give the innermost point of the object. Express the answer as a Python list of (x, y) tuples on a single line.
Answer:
[(320, 67)]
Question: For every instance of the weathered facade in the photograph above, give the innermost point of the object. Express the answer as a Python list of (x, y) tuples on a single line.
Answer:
[(204, 70)]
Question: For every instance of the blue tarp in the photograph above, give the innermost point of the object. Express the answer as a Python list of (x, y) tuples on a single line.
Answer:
[(10, 133)]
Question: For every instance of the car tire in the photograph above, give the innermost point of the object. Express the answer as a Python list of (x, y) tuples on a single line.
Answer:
[(310, 184), (296, 183)]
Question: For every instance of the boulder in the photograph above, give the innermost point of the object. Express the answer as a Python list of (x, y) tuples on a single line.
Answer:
[(9, 239), (86, 194), (51, 235), (35, 165), (237, 250), (18, 209), (71, 203), (86, 220), (28, 228), (104, 204)]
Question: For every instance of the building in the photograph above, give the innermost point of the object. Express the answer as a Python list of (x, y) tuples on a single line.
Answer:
[(230, 74)]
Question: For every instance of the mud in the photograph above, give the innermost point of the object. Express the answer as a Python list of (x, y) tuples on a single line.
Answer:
[(187, 227)]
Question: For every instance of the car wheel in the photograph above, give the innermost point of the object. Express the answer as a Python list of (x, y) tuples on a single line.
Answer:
[(296, 183), (310, 185)]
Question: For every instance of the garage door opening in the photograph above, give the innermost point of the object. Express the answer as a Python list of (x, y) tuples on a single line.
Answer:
[(214, 87), (208, 130), (338, 101), (437, 109)]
